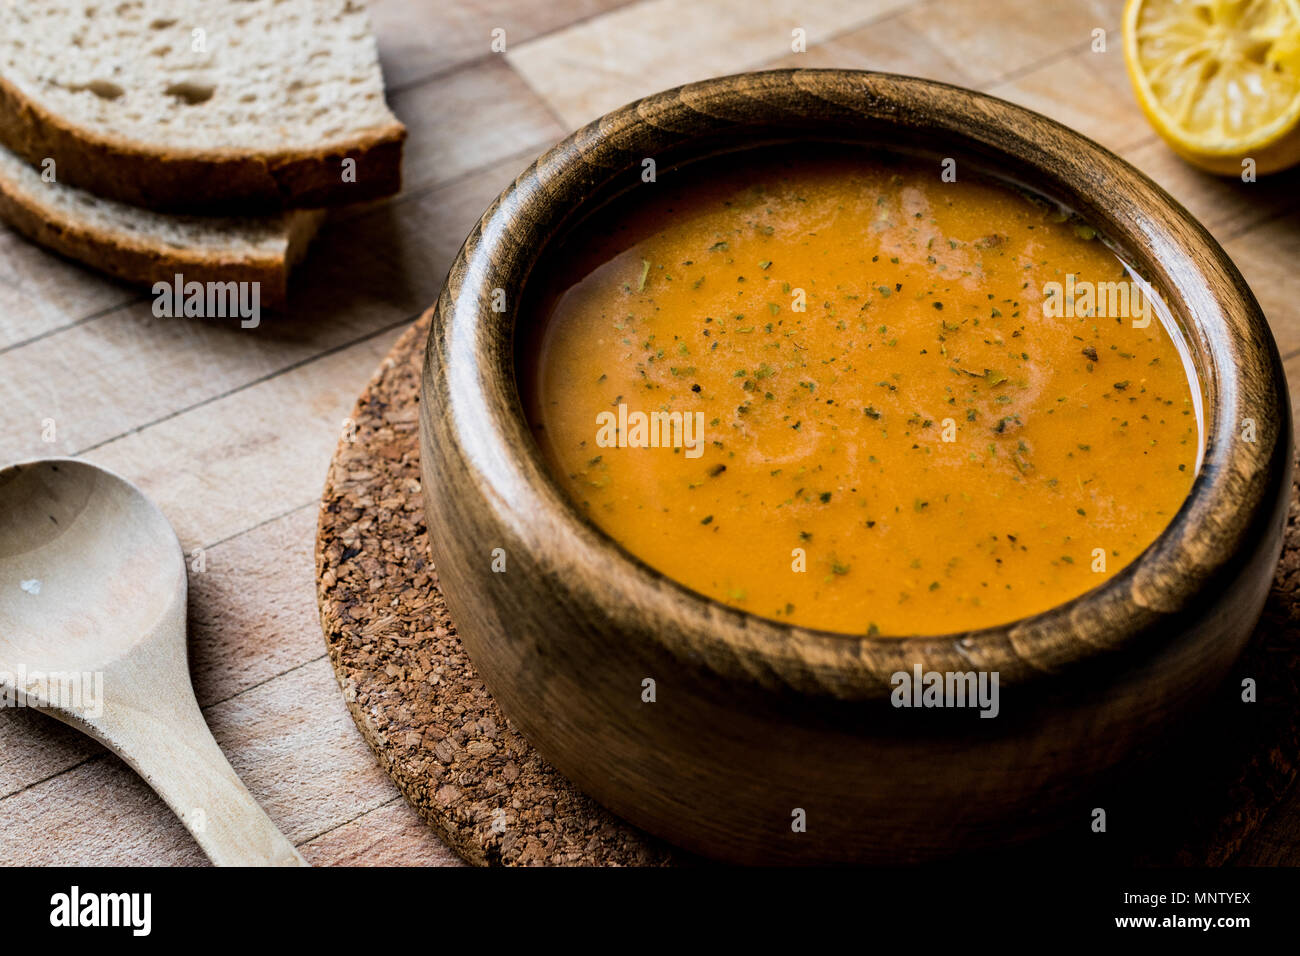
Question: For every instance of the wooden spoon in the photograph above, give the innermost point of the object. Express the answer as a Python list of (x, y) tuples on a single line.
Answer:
[(92, 631)]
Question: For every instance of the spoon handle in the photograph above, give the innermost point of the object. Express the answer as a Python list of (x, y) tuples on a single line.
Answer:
[(155, 725), (194, 778), (179, 758)]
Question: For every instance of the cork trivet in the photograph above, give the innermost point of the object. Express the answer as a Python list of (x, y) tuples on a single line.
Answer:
[(419, 703)]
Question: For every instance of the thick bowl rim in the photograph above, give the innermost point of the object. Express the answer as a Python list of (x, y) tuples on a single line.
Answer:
[(1228, 499)]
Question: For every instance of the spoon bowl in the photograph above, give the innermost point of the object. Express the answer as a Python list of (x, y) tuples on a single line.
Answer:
[(92, 631), (87, 557)]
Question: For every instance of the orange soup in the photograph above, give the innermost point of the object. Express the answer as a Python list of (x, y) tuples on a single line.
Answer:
[(839, 391)]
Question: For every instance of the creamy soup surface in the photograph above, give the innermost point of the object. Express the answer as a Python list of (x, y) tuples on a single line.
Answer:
[(901, 431)]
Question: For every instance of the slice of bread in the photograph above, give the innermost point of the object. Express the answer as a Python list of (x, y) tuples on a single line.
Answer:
[(144, 246), (200, 104)]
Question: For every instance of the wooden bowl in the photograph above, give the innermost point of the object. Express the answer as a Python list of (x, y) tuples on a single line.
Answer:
[(755, 720)]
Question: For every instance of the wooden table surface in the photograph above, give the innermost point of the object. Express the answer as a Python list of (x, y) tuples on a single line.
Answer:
[(231, 430)]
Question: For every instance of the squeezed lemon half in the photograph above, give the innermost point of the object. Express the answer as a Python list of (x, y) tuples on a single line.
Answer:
[(1219, 79)]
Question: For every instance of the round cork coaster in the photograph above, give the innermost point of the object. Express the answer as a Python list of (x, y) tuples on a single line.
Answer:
[(414, 693)]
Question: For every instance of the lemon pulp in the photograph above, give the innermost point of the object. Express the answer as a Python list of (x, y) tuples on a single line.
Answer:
[(1219, 79)]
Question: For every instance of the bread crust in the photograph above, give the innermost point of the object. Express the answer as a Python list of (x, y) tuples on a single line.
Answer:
[(125, 256), (227, 181)]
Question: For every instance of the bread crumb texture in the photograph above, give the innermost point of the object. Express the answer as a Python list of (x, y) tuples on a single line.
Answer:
[(250, 75)]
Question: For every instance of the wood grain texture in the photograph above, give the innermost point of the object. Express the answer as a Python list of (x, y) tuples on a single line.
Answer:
[(100, 809), (41, 293), (469, 120), (399, 260), (889, 44), (238, 644), (600, 64), (1292, 367), (288, 422), (566, 637), (1227, 207), (1029, 33), (1268, 253), (390, 835), (34, 747), (420, 39), (1086, 91)]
